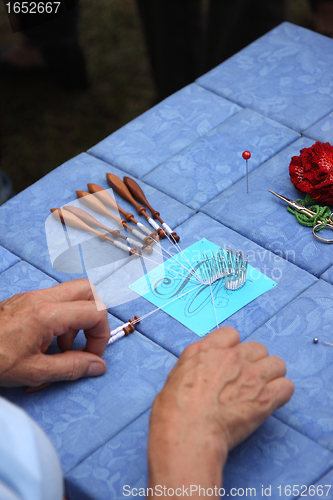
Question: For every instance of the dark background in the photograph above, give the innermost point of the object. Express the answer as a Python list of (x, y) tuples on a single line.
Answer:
[(43, 125)]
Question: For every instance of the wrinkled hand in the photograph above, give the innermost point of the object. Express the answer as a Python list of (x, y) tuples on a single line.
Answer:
[(217, 394), (28, 324)]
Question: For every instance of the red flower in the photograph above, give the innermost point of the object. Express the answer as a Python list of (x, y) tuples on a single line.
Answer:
[(312, 172)]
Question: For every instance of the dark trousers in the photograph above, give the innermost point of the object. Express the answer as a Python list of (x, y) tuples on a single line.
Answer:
[(181, 47), (172, 30)]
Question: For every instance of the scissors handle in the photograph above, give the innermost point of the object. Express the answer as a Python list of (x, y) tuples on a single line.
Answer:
[(317, 227)]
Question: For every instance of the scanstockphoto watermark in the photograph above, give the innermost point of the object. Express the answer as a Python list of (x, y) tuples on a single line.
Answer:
[(187, 491), (28, 14), (261, 261), (255, 257)]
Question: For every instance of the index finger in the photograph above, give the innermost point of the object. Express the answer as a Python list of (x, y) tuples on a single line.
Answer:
[(223, 337), (68, 316), (80, 289)]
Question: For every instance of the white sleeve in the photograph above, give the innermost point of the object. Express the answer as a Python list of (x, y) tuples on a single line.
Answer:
[(29, 466)]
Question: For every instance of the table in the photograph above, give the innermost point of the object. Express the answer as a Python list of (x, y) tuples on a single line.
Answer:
[(272, 98)]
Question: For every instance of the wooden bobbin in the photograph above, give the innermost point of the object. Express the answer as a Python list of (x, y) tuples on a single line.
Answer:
[(162, 234), (107, 199), (135, 252), (131, 328), (149, 241), (120, 188), (148, 249), (139, 195), (131, 251), (174, 236), (103, 236)]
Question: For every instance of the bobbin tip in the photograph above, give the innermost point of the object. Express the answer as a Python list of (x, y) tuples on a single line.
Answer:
[(162, 234), (148, 249), (135, 252), (174, 236)]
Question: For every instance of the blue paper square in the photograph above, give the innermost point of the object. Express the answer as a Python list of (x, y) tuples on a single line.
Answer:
[(190, 302), (174, 336)]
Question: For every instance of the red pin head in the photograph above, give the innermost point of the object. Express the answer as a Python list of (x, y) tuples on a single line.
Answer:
[(247, 155)]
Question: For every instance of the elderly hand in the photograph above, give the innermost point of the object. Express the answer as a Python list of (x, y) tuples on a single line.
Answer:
[(28, 324), (217, 394)]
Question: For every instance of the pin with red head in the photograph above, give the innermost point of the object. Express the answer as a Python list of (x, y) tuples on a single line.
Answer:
[(247, 155)]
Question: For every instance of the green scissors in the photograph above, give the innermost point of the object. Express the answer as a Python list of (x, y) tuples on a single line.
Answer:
[(303, 210)]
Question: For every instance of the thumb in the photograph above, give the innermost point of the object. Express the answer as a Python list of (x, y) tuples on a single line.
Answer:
[(69, 365)]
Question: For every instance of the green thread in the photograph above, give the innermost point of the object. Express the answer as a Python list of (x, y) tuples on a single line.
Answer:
[(321, 214)]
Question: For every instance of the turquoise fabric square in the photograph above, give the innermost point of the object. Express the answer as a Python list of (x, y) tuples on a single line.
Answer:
[(175, 287), (174, 336)]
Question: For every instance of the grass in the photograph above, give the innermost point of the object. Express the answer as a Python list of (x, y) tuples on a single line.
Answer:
[(42, 125)]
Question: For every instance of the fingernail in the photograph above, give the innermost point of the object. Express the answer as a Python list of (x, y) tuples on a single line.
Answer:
[(95, 369)]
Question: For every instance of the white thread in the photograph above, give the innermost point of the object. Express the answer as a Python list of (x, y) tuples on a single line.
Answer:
[(194, 272), (135, 243), (211, 292), (144, 228), (118, 336), (138, 234), (156, 226), (196, 277), (169, 268), (121, 246), (233, 269), (121, 333), (153, 224), (118, 329), (167, 228), (164, 305)]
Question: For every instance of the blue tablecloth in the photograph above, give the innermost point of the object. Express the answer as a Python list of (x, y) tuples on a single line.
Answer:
[(272, 98)]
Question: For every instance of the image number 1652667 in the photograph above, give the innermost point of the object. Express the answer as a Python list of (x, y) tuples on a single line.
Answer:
[(26, 14), (33, 7)]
